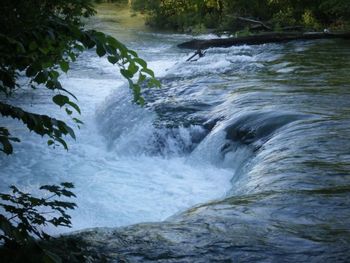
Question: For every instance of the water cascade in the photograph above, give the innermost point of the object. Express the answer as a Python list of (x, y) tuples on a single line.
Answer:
[(244, 150)]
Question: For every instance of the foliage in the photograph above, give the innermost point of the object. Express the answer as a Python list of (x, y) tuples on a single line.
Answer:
[(181, 15), (39, 40), (23, 217), (112, 1)]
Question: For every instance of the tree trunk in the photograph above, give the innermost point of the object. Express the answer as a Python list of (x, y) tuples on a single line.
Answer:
[(260, 39)]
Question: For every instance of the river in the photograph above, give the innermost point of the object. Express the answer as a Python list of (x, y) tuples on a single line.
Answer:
[(247, 149)]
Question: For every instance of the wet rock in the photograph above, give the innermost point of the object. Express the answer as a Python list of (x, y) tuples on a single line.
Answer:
[(259, 126), (264, 227)]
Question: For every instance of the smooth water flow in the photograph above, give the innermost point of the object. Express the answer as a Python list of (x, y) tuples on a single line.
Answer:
[(268, 123)]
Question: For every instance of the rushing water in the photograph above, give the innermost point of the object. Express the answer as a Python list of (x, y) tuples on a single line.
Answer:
[(266, 127)]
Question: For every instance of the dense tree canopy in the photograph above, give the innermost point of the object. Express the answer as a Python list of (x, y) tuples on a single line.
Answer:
[(38, 40), (180, 15)]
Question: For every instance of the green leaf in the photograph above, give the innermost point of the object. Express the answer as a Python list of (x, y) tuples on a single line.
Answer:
[(54, 84), (141, 79), (32, 46), (60, 100), (72, 56), (77, 121), (132, 52), (133, 68), (100, 51), (110, 50), (41, 77), (115, 43), (62, 142), (141, 62), (67, 184), (113, 59), (67, 91), (69, 112), (148, 71), (137, 94), (6, 145), (75, 106), (70, 131), (20, 48), (154, 83), (126, 73), (64, 66), (54, 74), (141, 101), (45, 51), (31, 71), (80, 48), (6, 226)]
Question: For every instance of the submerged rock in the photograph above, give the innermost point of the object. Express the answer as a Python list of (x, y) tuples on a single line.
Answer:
[(255, 126), (265, 227)]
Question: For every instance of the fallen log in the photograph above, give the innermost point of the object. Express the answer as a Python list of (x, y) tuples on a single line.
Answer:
[(260, 39)]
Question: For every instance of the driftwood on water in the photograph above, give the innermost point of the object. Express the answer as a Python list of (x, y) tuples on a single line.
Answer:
[(199, 53), (260, 39)]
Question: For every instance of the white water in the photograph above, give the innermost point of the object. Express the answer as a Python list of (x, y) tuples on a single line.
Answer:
[(117, 182), (124, 169)]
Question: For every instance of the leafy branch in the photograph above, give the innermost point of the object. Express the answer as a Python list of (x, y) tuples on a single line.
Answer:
[(43, 53), (24, 216)]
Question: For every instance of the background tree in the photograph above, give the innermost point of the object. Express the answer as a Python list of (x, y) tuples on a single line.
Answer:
[(222, 14)]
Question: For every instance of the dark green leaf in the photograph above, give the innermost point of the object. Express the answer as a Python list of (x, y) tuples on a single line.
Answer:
[(67, 184), (148, 71), (77, 121), (133, 68), (31, 71), (100, 51), (132, 52), (54, 74), (69, 112), (154, 83), (64, 66), (62, 142), (126, 73), (32, 46), (141, 62), (6, 145), (41, 77), (113, 59), (60, 100), (75, 106)]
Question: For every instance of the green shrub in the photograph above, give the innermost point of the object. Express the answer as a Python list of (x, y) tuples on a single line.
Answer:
[(23, 218), (179, 14)]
